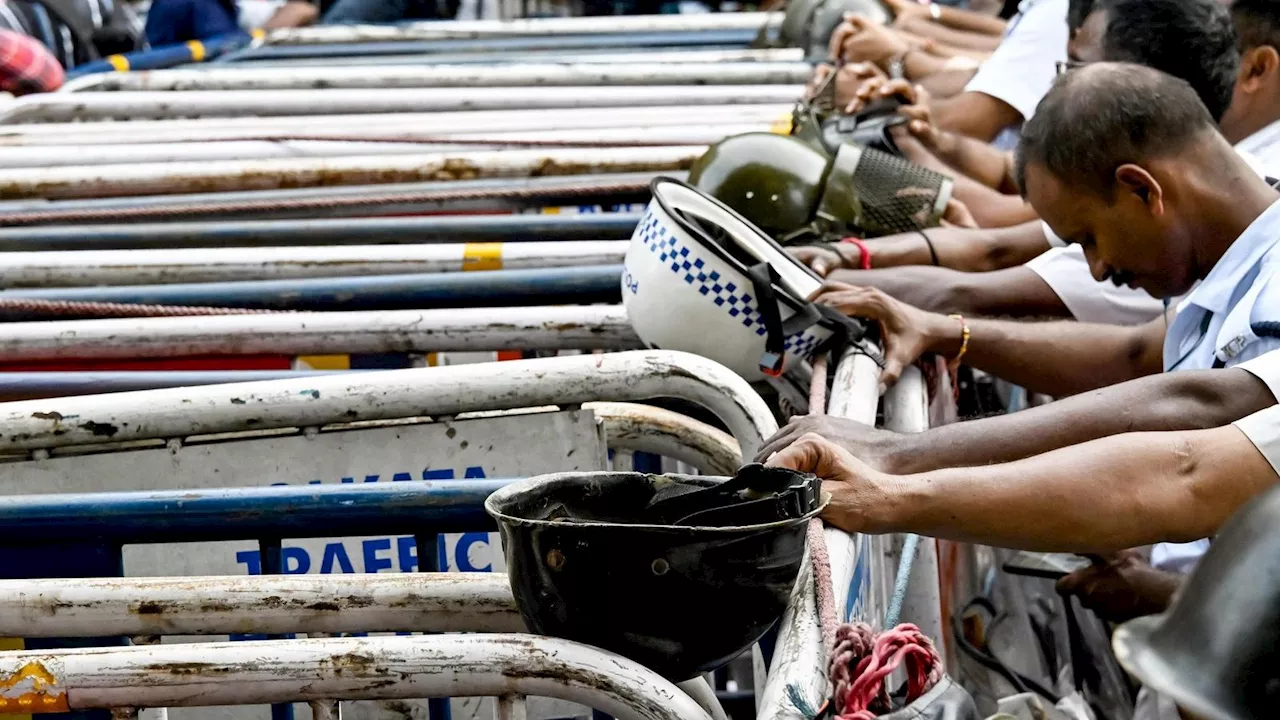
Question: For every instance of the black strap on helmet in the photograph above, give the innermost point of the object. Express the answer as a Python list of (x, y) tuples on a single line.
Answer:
[(845, 330)]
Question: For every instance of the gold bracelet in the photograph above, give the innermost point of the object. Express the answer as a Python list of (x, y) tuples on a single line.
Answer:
[(964, 341)]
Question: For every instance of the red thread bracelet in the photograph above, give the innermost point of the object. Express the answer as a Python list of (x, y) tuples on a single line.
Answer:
[(864, 252)]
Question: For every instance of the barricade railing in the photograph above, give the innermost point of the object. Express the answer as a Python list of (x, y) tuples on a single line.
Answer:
[(337, 231), (595, 327), (83, 268), (344, 398), (66, 107), (103, 181), (597, 56), (663, 42), (494, 195), (239, 77), (535, 124), (488, 288), (535, 26)]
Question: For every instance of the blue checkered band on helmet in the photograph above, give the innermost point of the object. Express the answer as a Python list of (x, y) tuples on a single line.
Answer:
[(722, 292)]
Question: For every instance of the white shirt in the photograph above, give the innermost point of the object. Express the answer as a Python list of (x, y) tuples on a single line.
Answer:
[(1066, 271), (1021, 70), (1264, 146), (1263, 430)]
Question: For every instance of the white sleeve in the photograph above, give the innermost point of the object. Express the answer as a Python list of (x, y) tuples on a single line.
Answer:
[(1021, 70), (1066, 272), (1263, 430), (1267, 369), (1052, 237)]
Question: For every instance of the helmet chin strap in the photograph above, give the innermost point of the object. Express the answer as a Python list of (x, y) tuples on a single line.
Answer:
[(846, 330)]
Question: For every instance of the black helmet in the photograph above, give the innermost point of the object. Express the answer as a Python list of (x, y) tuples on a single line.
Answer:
[(1216, 652), (678, 573)]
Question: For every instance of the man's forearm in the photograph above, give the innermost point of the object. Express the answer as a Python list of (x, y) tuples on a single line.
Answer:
[(1015, 291), (1101, 496), (944, 83), (956, 38), (1057, 358), (1188, 400), (970, 250), (980, 161)]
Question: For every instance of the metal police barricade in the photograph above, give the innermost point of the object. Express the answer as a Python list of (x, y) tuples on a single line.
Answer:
[(66, 107), (595, 56), (106, 522), (558, 125), (69, 268), (239, 77), (101, 181), (863, 568)]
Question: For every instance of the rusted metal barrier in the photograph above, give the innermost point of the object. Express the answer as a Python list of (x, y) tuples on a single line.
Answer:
[(413, 331), (101, 181), (490, 288), (335, 231), (208, 674), (533, 124), (316, 401), (239, 77), (60, 107), (258, 604), (460, 29), (594, 56), (229, 264)]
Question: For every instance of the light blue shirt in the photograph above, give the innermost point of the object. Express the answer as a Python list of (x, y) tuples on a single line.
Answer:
[(1214, 322), (1213, 327)]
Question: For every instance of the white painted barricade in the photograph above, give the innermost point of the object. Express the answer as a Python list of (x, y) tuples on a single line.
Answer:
[(81, 268), (593, 327), (348, 668)]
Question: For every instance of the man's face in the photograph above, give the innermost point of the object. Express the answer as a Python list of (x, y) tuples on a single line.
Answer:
[(1127, 239), (1085, 45)]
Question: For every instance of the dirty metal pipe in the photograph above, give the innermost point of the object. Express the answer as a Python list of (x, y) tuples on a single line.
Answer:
[(99, 181), (329, 232), (798, 669), (594, 327), (343, 397), (596, 56), (498, 288), (536, 124), (206, 265), (220, 514), (458, 29), (235, 77), (661, 41), (377, 668), (265, 146), (66, 107), (455, 197), (18, 386), (643, 428)]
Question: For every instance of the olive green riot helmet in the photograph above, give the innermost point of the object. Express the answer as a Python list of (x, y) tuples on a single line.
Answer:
[(808, 24), (797, 193)]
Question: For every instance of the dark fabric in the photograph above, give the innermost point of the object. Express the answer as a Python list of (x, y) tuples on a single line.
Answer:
[(171, 22), (945, 701), (69, 28)]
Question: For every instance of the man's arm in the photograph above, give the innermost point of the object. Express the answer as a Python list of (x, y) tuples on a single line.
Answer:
[(1058, 358), (1012, 292), (1188, 400), (1100, 496), (954, 37), (975, 114), (944, 83), (990, 207), (969, 250)]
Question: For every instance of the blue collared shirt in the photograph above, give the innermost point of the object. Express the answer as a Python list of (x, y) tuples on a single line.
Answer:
[(1213, 324)]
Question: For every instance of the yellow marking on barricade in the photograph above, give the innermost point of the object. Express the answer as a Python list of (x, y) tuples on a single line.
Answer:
[(119, 62), (32, 689), (198, 52), (550, 211), (326, 362), (781, 126), (482, 256), (258, 33), (13, 644)]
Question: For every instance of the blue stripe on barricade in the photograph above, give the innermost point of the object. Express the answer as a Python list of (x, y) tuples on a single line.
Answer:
[(494, 288), (16, 386), (164, 57), (733, 38)]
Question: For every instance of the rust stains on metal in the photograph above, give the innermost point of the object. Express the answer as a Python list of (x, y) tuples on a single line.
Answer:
[(33, 688), (100, 429)]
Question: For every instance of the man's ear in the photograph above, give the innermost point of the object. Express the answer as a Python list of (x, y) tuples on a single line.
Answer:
[(1136, 181), (1258, 68)]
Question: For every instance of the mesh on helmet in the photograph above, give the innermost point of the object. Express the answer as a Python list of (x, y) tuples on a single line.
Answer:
[(896, 195)]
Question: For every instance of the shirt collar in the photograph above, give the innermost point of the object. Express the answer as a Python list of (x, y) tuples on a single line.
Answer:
[(1214, 292), (1262, 140)]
